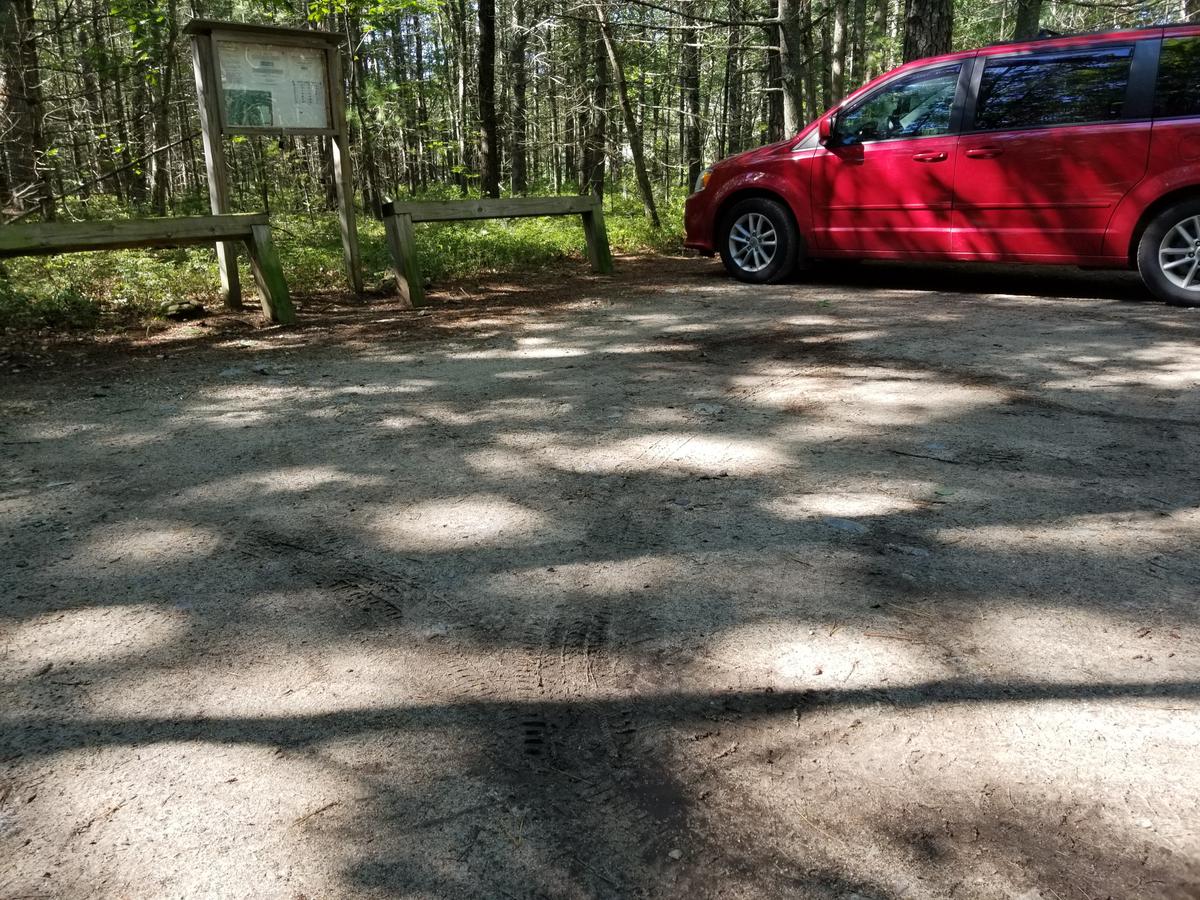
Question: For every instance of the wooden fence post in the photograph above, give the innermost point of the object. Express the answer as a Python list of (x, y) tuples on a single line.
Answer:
[(272, 286), (598, 252), (207, 92), (339, 145), (402, 240)]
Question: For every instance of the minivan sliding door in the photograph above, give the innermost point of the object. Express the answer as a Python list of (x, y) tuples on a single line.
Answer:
[(1052, 141)]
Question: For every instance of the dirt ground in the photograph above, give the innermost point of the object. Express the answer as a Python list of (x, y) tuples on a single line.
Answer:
[(647, 586)]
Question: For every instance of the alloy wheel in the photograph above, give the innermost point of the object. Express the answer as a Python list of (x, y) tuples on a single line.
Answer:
[(1179, 254), (753, 242)]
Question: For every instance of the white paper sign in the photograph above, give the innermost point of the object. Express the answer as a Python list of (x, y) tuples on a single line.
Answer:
[(272, 85)]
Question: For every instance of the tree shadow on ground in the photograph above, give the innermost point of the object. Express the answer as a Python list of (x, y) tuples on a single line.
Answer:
[(513, 585)]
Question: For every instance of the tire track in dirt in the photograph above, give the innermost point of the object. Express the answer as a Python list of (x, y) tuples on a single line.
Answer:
[(570, 759), (388, 597), (577, 755), (394, 601)]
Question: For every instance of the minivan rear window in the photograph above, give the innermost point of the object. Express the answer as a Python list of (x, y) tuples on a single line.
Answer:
[(1178, 89), (1053, 89)]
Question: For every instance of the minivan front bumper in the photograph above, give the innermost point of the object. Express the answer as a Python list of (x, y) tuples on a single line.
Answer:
[(698, 224)]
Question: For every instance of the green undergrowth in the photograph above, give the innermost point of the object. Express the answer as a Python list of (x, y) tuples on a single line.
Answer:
[(120, 288)]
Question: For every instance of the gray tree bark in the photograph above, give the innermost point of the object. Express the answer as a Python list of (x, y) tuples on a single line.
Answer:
[(489, 159), (791, 66), (28, 174), (837, 62), (691, 91), (518, 73), (1028, 19), (928, 28), (858, 31)]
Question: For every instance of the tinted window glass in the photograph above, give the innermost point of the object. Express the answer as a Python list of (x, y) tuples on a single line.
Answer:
[(1178, 91), (916, 106), (1053, 89)]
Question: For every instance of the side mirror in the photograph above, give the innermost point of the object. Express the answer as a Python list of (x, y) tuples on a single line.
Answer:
[(826, 128)]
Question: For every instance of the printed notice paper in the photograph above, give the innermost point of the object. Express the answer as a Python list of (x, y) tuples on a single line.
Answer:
[(272, 85)]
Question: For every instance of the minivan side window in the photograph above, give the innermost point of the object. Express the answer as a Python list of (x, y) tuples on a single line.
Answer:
[(916, 105), (1176, 93), (1053, 89)]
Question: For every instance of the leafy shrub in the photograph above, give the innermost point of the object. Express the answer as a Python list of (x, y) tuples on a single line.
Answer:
[(62, 308)]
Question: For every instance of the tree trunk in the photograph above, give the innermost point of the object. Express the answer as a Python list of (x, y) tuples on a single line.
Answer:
[(1029, 15), (552, 102), (734, 117), (691, 92), (517, 72), (837, 62), (160, 177), (812, 77), (456, 15), (576, 142), (140, 136), (827, 67), (858, 32), (593, 155), (879, 66), (928, 28), (423, 161), (790, 66), (489, 161), (21, 106), (368, 175), (632, 130), (113, 74)]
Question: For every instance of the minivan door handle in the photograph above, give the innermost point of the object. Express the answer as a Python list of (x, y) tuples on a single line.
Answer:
[(930, 156), (984, 152)]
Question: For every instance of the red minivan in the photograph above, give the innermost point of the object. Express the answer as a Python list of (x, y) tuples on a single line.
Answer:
[(1080, 150)]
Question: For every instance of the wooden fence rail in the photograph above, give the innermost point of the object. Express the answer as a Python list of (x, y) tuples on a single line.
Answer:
[(253, 230), (399, 218)]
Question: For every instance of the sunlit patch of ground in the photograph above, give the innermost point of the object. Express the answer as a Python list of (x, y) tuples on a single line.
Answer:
[(877, 585)]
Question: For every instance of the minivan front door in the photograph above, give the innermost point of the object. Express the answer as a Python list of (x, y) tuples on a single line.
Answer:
[(1050, 153), (883, 184)]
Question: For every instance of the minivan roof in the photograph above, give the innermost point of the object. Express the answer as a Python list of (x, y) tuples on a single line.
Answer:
[(1081, 39), (1056, 42), (1047, 34)]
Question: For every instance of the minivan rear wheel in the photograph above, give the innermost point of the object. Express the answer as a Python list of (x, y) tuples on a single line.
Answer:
[(1168, 255), (758, 241)]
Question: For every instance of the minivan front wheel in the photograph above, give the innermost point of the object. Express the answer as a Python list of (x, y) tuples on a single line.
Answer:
[(1169, 254), (758, 241)]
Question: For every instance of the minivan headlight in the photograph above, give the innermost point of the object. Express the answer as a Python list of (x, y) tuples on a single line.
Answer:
[(702, 181)]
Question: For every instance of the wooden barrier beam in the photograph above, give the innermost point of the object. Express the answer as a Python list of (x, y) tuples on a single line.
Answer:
[(124, 234), (398, 220), (510, 208), (254, 230)]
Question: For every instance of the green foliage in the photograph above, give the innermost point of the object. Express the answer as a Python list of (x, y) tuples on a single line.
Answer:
[(320, 10), (89, 290), (58, 308), (112, 289)]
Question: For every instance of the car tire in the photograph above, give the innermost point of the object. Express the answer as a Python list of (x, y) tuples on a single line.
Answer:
[(1168, 254), (758, 241)]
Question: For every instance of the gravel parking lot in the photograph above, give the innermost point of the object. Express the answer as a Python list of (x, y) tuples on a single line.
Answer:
[(881, 584)]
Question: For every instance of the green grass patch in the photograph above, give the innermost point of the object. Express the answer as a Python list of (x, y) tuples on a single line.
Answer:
[(117, 288)]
